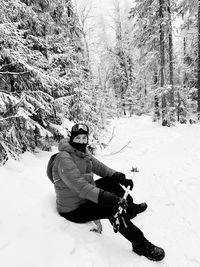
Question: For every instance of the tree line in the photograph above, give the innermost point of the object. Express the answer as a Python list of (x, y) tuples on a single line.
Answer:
[(48, 74), (154, 64), (45, 75)]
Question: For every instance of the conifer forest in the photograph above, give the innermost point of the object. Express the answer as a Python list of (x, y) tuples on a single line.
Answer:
[(49, 72)]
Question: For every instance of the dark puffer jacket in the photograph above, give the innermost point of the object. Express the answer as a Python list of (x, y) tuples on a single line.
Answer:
[(73, 177)]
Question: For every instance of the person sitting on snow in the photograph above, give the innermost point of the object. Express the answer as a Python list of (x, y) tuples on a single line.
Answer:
[(80, 199)]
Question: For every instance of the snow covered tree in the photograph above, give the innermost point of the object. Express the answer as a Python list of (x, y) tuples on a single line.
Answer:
[(120, 58), (152, 35), (20, 88), (44, 74), (144, 16), (198, 78), (189, 32)]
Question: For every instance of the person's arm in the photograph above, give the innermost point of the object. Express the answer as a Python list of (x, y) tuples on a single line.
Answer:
[(104, 171), (100, 168), (71, 176)]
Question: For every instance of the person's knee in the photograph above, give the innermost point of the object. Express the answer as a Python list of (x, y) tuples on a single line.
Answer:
[(105, 183)]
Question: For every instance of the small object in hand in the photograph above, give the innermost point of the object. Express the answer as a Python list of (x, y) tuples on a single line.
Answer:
[(123, 204)]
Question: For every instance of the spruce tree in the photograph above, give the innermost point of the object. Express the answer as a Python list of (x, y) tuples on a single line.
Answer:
[(44, 76), (188, 107)]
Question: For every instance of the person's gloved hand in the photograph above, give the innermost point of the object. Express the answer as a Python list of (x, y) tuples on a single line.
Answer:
[(128, 182), (108, 199), (121, 178)]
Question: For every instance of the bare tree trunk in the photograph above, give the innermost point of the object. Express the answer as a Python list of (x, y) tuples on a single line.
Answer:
[(122, 53), (162, 59), (155, 81), (171, 65), (156, 101), (87, 54), (184, 81), (84, 13), (198, 79)]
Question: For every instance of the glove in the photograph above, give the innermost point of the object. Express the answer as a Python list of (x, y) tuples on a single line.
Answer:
[(128, 182), (108, 199), (121, 178)]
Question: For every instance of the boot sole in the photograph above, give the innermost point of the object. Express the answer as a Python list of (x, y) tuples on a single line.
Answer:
[(151, 258)]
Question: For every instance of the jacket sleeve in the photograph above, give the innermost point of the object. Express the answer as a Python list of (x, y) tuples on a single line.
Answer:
[(101, 169), (71, 176)]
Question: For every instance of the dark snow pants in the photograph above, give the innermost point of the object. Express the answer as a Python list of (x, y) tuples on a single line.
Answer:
[(90, 211)]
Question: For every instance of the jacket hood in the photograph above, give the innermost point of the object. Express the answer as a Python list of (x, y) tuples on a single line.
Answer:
[(65, 146)]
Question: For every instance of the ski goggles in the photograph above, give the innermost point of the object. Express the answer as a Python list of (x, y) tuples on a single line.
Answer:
[(78, 127)]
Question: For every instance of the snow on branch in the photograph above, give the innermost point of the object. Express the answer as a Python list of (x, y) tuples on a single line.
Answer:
[(13, 73), (7, 99), (111, 136), (116, 152)]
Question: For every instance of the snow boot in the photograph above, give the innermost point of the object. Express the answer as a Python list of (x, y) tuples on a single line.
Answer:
[(148, 250), (135, 209)]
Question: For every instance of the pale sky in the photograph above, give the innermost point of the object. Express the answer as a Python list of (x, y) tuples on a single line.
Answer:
[(102, 11), (101, 20), (102, 5), (103, 8)]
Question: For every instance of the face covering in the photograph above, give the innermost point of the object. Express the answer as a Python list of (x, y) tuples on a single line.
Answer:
[(78, 146)]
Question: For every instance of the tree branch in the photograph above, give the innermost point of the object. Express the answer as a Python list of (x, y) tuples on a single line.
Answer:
[(111, 136), (7, 118), (14, 73), (113, 153)]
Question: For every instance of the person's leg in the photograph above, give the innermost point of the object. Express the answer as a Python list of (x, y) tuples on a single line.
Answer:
[(131, 232), (89, 211), (140, 244), (111, 185)]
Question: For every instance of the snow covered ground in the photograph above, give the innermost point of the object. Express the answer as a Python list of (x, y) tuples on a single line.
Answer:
[(168, 159)]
